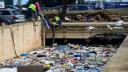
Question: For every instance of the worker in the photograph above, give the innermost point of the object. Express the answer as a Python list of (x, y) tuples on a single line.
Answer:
[(117, 25), (37, 9), (55, 26), (32, 11), (58, 21)]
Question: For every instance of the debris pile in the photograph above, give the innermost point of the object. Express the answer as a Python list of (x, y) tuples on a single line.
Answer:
[(102, 16), (65, 58)]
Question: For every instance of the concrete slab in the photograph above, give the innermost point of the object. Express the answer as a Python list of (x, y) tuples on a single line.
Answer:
[(119, 62)]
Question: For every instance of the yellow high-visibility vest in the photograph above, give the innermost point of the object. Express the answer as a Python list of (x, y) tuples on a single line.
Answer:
[(57, 18), (32, 6)]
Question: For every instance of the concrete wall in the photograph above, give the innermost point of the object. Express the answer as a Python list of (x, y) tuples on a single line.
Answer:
[(119, 61), (19, 38), (71, 35)]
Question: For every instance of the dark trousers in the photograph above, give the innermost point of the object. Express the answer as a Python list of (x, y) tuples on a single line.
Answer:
[(59, 23), (31, 14), (37, 12)]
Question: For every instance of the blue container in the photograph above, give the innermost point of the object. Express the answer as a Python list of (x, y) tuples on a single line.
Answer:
[(24, 54), (77, 56)]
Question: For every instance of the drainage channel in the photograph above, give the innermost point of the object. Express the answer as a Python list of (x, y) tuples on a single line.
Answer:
[(96, 40), (69, 55), (94, 52)]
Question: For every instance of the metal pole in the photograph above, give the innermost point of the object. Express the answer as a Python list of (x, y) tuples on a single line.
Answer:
[(53, 34)]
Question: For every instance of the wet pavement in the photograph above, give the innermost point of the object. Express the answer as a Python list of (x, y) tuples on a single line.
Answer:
[(65, 58)]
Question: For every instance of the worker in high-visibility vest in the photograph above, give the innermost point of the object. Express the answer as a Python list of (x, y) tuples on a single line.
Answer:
[(32, 11), (58, 21)]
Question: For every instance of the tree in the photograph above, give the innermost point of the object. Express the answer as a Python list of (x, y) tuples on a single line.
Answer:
[(32, 1), (64, 7), (52, 3), (48, 3)]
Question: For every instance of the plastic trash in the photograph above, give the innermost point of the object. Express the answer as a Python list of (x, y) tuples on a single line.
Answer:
[(55, 45), (65, 58), (92, 54), (71, 65), (94, 70), (50, 71), (80, 69), (77, 56), (40, 55), (90, 28), (24, 54), (47, 66), (14, 69)]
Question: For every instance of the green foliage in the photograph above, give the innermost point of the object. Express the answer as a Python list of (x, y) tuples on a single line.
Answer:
[(49, 2), (32, 1), (81, 2)]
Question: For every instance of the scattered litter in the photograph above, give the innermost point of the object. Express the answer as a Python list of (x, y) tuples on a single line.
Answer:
[(90, 28), (101, 16), (63, 58), (24, 54)]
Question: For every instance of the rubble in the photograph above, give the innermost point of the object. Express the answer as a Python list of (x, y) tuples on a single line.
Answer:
[(101, 16), (64, 58)]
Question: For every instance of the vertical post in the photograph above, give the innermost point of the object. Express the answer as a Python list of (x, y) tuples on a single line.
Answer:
[(13, 41), (42, 30), (53, 34), (43, 34)]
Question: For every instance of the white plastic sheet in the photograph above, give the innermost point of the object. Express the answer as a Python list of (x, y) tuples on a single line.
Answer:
[(8, 69)]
